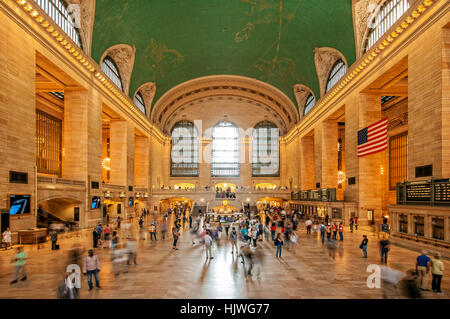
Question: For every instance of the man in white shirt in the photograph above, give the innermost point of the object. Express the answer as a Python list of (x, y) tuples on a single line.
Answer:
[(208, 244)]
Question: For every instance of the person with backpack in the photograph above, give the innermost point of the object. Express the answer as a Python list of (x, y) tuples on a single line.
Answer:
[(233, 239), (279, 245)]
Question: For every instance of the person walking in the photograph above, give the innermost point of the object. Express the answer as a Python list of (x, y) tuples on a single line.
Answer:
[(7, 238), (91, 266), (152, 231), (118, 222), (164, 230), (328, 232), (114, 241), (322, 233), (233, 239), (437, 270), (335, 229), (351, 224), (107, 234), (208, 245), (176, 235), (423, 264), (356, 223), (363, 245), (141, 223), (20, 260), (279, 244), (308, 224), (384, 248), (190, 222), (273, 229), (95, 237), (341, 231), (132, 251), (54, 239)]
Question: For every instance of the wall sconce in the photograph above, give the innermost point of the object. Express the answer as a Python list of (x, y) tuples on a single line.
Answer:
[(122, 194), (146, 195), (202, 200), (381, 170)]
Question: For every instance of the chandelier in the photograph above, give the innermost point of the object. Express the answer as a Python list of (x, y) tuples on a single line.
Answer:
[(106, 164)]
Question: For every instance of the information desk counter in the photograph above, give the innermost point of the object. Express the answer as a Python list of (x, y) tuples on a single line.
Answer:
[(32, 236)]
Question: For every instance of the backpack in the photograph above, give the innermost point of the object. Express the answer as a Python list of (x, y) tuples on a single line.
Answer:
[(233, 235)]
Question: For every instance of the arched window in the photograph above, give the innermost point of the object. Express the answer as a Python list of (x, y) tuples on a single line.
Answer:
[(184, 152), (384, 18), (58, 11), (266, 150), (310, 102), (111, 70), (225, 150), (139, 101), (337, 72)]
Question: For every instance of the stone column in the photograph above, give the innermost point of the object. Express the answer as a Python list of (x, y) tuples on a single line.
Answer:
[(76, 135), (369, 178), (119, 154), (205, 162), (245, 162), (326, 154), (307, 163), (142, 161)]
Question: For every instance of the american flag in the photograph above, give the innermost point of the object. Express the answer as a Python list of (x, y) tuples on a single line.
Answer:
[(373, 139)]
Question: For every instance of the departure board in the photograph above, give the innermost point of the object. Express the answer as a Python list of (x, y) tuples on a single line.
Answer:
[(442, 192), (418, 192)]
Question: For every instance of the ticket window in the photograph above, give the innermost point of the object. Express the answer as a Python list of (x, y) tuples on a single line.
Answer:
[(438, 228), (403, 224), (419, 226)]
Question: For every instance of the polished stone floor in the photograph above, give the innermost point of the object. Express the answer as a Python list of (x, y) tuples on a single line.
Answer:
[(307, 272)]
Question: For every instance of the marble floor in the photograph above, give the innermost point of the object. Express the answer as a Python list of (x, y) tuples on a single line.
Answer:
[(306, 272)]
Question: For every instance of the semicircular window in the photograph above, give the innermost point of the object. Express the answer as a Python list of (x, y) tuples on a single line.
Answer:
[(225, 150), (111, 70), (337, 72), (310, 102), (60, 12), (139, 101), (266, 150), (184, 150), (383, 19)]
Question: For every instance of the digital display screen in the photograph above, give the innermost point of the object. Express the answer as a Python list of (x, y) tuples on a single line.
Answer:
[(131, 201), (95, 202), (19, 204)]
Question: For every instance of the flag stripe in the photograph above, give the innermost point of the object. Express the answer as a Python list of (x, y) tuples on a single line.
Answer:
[(374, 151), (376, 139)]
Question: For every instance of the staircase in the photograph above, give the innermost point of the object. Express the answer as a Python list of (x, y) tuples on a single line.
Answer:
[(45, 219)]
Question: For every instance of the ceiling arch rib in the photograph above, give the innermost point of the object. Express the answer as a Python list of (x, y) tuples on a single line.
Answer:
[(252, 90)]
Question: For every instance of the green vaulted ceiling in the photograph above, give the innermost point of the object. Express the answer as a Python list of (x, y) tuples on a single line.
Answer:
[(179, 40)]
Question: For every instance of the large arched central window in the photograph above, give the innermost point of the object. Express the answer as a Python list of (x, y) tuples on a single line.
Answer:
[(111, 70), (383, 19), (184, 153), (337, 72), (225, 150), (266, 150)]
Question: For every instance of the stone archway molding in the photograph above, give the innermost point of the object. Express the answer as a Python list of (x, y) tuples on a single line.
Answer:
[(123, 55), (224, 85), (325, 58)]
